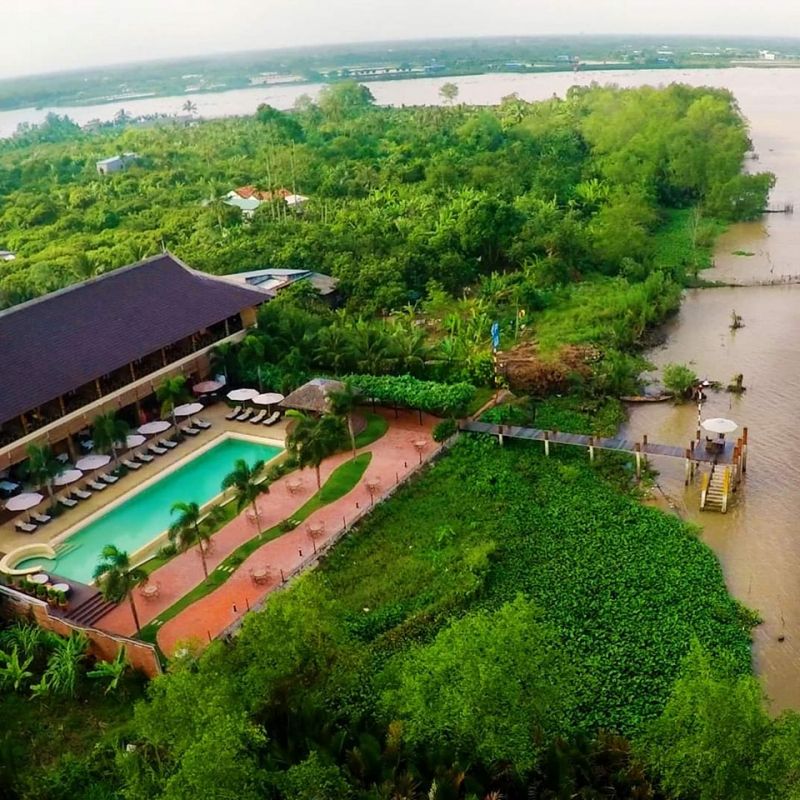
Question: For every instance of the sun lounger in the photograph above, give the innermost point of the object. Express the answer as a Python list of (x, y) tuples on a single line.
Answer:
[(189, 430), (131, 464), (67, 502), (145, 458), (108, 478), (96, 485), (156, 450), (41, 519), (24, 527), (272, 418), (258, 417), (81, 494), (202, 424), (234, 413), (245, 415), (168, 443)]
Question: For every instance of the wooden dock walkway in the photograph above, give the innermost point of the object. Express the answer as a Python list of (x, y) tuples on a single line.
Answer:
[(696, 452)]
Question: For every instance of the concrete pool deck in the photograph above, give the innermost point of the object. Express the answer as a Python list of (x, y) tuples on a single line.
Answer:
[(394, 456), (72, 519)]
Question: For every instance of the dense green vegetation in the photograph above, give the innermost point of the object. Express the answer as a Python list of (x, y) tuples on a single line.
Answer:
[(400, 661)]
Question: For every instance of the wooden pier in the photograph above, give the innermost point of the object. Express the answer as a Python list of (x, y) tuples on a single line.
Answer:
[(728, 463)]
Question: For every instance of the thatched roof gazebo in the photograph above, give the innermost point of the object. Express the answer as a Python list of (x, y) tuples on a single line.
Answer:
[(312, 397)]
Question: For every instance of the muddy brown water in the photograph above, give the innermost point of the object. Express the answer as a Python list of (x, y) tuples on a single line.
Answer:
[(758, 540)]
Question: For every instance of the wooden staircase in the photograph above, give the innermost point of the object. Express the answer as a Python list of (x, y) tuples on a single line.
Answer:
[(90, 610), (715, 490)]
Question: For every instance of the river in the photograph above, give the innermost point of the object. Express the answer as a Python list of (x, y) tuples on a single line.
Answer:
[(758, 540)]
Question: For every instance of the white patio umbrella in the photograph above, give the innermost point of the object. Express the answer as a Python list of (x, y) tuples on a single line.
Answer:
[(719, 425), (267, 399), (88, 463), (68, 476), (238, 395), (24, 501), (156, 426), (134, 440), (187, 409)]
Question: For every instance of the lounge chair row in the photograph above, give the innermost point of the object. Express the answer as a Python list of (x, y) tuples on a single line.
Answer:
[(252, 416), (104, 479)]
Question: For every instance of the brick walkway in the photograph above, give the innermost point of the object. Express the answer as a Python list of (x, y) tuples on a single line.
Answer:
[(393, 457)]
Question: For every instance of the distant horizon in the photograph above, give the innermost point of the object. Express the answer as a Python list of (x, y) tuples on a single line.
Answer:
[(378, 43)]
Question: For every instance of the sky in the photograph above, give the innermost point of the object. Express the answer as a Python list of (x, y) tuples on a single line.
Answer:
[(52, 35)]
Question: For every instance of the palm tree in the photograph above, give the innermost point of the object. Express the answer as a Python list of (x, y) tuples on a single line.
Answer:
[(186, 531), (244, 481), (108, 432), (117, 578), (43, 466), (224, 359), (189, 107), (312, 440), (342, 404), (171, 393)]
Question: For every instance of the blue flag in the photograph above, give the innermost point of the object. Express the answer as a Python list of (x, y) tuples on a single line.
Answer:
[(496, 335)]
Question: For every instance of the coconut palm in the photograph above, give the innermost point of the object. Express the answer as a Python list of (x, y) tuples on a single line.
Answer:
[(189, 107), (342, 404), (186, 532), (244, 480), (171, 392), (43, 467), (117, 578), (312, 440), (109, 432)]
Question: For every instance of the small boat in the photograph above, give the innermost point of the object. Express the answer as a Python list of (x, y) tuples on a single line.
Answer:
[(646, 398)]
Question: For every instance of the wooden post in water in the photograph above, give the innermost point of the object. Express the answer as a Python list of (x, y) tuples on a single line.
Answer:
[(744, 450), (547, 443), (638, 454), (644, 440), (687, 468)]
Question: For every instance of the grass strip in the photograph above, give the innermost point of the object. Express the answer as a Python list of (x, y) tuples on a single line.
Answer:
[(341, 481)]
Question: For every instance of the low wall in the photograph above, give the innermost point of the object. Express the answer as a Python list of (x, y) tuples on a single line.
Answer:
[(103, 646)]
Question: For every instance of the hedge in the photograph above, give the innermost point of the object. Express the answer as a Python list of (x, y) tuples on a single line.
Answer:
[(442, 399)]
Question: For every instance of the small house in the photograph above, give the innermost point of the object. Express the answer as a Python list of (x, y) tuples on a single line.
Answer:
[(107, 166)]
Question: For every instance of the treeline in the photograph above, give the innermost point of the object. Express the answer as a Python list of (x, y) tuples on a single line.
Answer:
[(398, 197)]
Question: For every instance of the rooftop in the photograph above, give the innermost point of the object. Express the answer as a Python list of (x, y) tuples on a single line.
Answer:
[(273, 280), (58, 342), (312, 396)]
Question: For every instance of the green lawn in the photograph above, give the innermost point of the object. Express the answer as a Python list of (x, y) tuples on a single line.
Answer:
[(376, 427)]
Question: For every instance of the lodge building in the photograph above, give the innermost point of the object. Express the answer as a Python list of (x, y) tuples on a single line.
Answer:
[(105, 345)]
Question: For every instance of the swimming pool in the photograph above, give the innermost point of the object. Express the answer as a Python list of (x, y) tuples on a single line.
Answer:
[(137, 521)]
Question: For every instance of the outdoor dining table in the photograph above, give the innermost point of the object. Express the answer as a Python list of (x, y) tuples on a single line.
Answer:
[(61, 587), (40, 578), (149, 591)]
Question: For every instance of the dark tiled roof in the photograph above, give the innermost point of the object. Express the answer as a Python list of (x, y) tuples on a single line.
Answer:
[(60, 341)]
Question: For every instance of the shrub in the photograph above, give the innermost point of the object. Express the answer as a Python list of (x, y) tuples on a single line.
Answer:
[(679, 379), (445, 399), (444, 430)]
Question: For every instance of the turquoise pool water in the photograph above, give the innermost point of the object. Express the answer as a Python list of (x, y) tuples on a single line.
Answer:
[(137, 521)]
